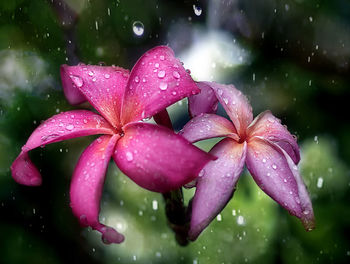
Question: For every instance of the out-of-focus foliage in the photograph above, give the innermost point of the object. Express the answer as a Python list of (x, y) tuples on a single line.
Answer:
[(289, 56)]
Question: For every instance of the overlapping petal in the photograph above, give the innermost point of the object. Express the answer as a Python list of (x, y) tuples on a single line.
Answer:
[(156, 158), (204, 102), (207, 126), (269, 127), (102, 86), (235, 104), (157, 80), (60, 127), (87, 185), (277, 175), (216, 184)]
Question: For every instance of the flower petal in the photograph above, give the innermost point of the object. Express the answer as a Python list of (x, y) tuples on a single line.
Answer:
[(156, 158), (60, 127), (235, 104), (163, 118), (269, 127), (71, 91), (207, 126), (276, 174), (204, 102), (157, 80), (102, 86), (87, 185), (216, 184)]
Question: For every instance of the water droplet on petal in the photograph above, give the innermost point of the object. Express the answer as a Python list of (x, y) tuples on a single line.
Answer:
[(107, 76), (274, 166), (319, 182), (225, 100), (136, 79), (161, 74), (201, 173), (138, 28), (264, 160), (70, 127), (156, 65), (78, 81), (91, 73), (129, 156), (161, 57), (163, 86), (176, 75)]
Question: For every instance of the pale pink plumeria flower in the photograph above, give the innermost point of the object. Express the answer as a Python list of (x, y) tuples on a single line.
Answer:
[(267, 148), (152, 156)]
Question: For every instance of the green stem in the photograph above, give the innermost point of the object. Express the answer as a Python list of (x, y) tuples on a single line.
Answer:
[(176, 213)]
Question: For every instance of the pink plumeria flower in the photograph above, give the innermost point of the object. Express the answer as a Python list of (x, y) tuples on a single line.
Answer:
[(152, 156), (267, 148)]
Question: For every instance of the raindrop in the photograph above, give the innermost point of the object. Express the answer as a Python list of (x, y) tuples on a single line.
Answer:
[(161, 57), (136, 79), (138, 28), (240, 220), (306, 212), (70, 127), (274, 166), (77, 81), (155, 205), (201, 173), (176, 75), (107, 76), (161, 74), (264, 160), (316, 139), (156, 65), (319, 182), (163, 86), (225, 100), (129, 156), (197, 10), (219, 217)]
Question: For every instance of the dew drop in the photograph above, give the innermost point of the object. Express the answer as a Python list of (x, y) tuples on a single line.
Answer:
[(107, 76), (77, 81), (225, 100), (176, 75), (155, 205), (264, 160), (197, 10), (129, 156), (274, 166), (138, 28), (319, 182), (136, 79), (163, 86), (70, 127), (161, 74), (161, 57), (156, 65), (201, 173)]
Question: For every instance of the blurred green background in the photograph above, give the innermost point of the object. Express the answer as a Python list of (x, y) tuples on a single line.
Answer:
[(291, 57)]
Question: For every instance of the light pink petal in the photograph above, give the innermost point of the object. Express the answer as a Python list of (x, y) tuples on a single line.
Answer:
[(87, 185), (102, 86), (60, 127), (269, 127), (157, 80), (207, 126), (235, 104), (156, 158), (276, 174), (204, 102), (216, 184)]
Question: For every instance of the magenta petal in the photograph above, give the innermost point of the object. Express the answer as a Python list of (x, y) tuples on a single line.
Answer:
[(156, 158), (276, 174), (269, 127), (163, 118), (71, 91), (235, 104), (102, 86), (204, 102), (216, 184), (60, 127), (87, 185), (157, 80), (207, 126)]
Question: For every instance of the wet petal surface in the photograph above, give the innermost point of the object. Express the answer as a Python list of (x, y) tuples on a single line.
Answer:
[(60, 127), (216, 183), (204, 102), (156, 158), (276, 174), (87, 185), (157, 80)]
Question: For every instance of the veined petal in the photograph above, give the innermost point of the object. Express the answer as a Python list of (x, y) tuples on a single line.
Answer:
[(235, 104), (276, 174), (269, 127), (156, 158), (207, 126), (103, 87), (87, 185), (60, 127), (205, 102), (157, 80), (216, 184)]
